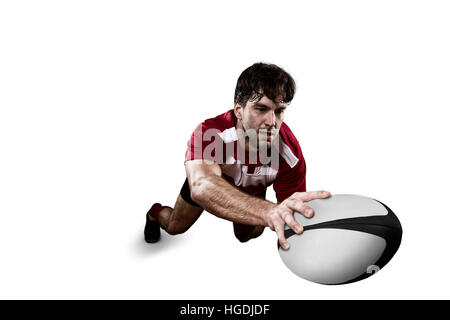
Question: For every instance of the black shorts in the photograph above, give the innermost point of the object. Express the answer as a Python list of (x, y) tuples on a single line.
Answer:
[(186, 194)]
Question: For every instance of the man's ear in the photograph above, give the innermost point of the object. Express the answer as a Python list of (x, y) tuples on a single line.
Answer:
[(238, 109)]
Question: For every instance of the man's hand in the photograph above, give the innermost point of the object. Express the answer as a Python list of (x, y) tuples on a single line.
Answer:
[(283, 213)]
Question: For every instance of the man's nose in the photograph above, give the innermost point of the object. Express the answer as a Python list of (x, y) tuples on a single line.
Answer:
[(270, 119)]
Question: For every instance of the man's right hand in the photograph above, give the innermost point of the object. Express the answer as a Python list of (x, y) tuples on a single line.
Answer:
[(283, 213)]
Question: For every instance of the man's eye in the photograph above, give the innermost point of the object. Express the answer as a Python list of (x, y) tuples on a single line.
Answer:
[(279, 111)]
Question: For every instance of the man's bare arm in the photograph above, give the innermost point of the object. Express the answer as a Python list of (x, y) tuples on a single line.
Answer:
[(217, 196), (214, 194)]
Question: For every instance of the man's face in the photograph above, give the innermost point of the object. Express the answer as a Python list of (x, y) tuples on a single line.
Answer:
[(264, 117)]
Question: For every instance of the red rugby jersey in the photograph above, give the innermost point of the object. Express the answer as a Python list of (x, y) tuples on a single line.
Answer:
[(287, 177)]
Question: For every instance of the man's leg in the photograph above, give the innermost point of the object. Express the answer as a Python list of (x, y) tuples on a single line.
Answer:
[(174, 220), (180, 218), (245, 232)]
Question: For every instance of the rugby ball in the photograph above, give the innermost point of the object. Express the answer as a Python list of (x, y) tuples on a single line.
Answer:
[(349, 238)]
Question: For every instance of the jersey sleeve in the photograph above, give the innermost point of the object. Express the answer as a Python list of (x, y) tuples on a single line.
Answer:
[(205, 144)]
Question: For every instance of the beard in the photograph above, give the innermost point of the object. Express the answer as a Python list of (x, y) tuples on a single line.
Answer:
[(262, 144), (263, 140), (259, 139)]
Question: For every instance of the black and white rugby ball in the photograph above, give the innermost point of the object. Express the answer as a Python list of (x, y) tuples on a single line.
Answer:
[(349, 238)]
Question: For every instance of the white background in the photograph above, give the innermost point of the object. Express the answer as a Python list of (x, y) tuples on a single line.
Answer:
[(98, 100)]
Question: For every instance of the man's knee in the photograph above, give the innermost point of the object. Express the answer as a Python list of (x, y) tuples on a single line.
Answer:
[(243, 238), (244, 234), (182, 221), (183, 215), (175, 228)]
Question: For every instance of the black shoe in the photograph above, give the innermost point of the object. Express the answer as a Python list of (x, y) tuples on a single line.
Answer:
[(152, 230)]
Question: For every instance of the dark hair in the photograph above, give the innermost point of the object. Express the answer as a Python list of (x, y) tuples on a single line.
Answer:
[(264, 79)]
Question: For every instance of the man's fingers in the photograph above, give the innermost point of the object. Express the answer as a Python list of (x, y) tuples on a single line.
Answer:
[(299, 206), (311, 195), (279, 229), (292, 223)]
